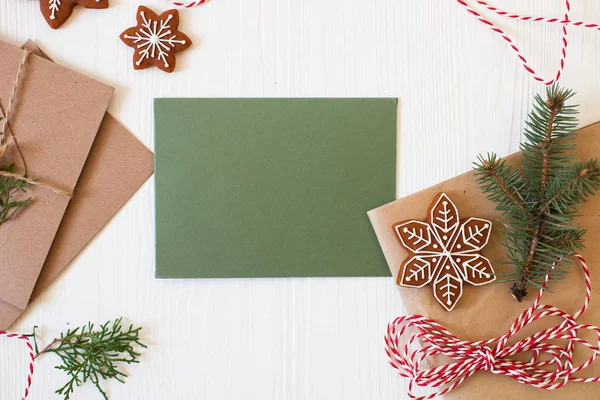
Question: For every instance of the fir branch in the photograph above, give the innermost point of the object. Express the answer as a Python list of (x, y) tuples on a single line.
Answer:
[(570, 189), (494, 173), (554, 103), (538, 201), (89, 354)]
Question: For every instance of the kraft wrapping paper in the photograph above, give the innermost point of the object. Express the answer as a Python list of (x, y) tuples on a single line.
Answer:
[(488, 311), (116, 166)]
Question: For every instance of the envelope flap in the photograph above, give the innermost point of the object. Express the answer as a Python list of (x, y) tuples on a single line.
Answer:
[(56, 116)]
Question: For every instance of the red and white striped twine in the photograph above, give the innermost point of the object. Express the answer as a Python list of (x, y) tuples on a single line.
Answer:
[(495, 354), (31, 358), (188, 4), (565, 21)]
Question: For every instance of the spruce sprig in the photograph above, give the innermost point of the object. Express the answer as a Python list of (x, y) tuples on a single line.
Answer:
[(90, 354), (539, 200)]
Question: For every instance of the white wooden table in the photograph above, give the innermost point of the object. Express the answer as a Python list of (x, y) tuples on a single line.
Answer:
[(461, 92)]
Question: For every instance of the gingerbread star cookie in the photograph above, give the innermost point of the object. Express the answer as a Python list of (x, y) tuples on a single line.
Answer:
[(445, 252), (57, 12), (156, 39)]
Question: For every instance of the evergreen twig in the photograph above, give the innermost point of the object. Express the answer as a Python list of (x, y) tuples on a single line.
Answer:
[(9, 187), (90, 354), (538, 201)]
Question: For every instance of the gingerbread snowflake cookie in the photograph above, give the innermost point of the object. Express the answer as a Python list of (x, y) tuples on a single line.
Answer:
[(445, 252), (156, 39), (57, 12)]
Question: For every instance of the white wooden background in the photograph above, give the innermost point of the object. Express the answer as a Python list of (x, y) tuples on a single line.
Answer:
[(461, 92)]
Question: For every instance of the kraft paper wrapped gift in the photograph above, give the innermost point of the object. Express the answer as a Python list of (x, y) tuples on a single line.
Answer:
[(116, 165), (488, 311)]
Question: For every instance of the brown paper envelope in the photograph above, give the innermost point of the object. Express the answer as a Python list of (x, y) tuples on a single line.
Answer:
[(488, 311), (117, 166), (57, 115)]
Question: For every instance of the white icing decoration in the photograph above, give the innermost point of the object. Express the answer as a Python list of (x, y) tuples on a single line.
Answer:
[(475, 233), (153, 38), (414, 235), (54, 7), (420, 270), (455, 244), (477, 268), (445, 219), (450, 288)]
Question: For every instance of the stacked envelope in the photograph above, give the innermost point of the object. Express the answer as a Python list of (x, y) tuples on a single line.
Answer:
[(67, 140)]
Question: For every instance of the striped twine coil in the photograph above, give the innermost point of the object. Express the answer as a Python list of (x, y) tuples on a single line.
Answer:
[(550, 366), (27, 342)]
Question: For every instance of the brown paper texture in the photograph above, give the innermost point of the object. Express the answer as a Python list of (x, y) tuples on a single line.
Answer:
[(116, 168), (117, 165), (488, 311), (57, 115)]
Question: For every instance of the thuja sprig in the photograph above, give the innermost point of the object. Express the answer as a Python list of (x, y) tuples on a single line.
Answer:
[(9, 187), (90, 354), (539, 200)]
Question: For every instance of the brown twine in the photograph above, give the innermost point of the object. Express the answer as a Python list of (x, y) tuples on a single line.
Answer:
[(5, 144)]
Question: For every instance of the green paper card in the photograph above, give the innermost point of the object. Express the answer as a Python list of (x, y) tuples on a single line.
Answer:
[(271, 187)]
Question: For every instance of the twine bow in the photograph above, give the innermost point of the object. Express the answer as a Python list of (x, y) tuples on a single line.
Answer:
[(5, 131), (550, 372)]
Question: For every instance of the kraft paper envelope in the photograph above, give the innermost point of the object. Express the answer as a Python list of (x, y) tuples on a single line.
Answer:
[(271, 187), (56, 117), (488, 311), (117, 165)]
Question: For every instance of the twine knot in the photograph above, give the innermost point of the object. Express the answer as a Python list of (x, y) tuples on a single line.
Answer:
[(550, 351), (487, 358)]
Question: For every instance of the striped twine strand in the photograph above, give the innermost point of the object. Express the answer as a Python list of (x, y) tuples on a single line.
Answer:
[(565, 21), (31, 358), (188, 4), (512, 44), (494, 355)]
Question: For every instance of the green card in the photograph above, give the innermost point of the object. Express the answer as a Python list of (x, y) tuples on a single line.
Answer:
[(271, 187)]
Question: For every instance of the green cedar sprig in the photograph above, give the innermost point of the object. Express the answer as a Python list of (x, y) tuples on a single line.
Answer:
[(90, 354), (539, 200), (8, 188)]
